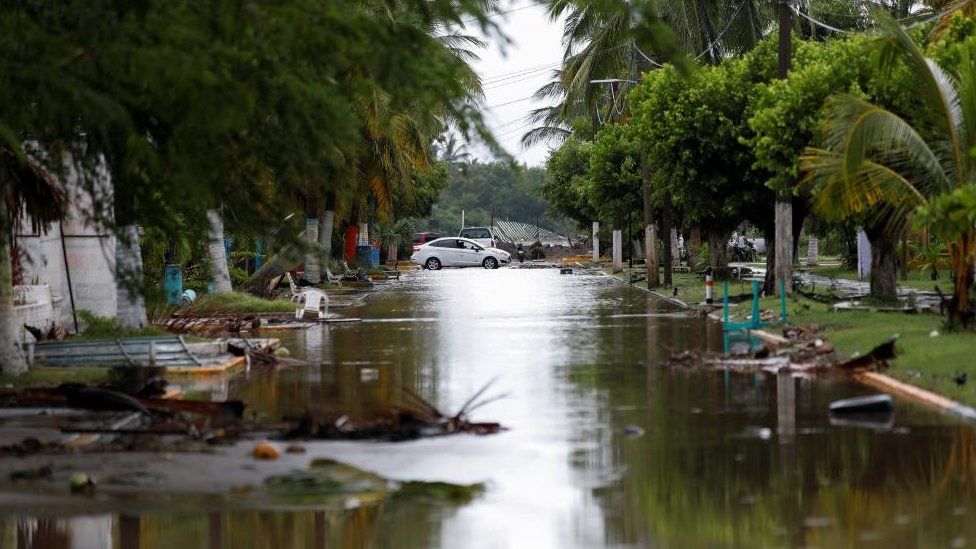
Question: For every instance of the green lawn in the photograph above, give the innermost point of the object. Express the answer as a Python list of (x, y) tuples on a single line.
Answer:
[(52, 377), (926, 361), (237, 303)]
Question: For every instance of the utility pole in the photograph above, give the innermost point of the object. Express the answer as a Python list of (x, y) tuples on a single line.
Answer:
[(784, 201)]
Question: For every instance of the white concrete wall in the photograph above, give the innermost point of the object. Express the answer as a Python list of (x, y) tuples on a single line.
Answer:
[(89, 250)]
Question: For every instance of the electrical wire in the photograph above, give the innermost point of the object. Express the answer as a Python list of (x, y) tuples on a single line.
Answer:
[(818, 23), (718, 38), (506, 12)]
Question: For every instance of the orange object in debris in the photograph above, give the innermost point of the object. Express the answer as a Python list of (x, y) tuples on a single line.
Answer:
[(266, 450)]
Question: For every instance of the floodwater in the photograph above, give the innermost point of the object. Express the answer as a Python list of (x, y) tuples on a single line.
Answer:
[(606, 446)]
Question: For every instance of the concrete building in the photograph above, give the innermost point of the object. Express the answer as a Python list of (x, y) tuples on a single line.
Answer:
[(68, 267)]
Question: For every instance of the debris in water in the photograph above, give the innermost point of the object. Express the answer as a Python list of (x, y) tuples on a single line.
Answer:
[(418, 418), (81, 483), (633, 431), (265, 450), (295, 449), (870, 403)]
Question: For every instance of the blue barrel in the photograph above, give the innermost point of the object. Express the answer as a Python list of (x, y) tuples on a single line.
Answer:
[(173, 280), (365, 256), (374, 257)]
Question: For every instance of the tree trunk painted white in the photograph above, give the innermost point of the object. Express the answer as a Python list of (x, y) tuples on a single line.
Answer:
[(784, 243), (12, 360), (813, 251), (596, 241), (650, 255), (863, 255), (313, 272), (218, 254), (618, 250), (325, 240), (131, 311), (674, 246)]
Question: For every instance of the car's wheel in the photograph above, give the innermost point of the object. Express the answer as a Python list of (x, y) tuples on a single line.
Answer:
[(433, 263), (490, 263)]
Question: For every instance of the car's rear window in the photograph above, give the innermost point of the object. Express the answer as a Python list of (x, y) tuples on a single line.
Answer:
[(446, 243), (476, 233), (420, 238)]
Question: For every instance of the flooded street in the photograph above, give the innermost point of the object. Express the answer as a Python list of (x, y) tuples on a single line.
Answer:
[(605, 446)]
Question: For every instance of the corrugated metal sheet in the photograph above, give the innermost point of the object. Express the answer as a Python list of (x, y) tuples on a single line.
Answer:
[(165, 350), (515, 232)]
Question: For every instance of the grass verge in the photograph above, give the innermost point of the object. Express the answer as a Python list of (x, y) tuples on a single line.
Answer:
[(40, 377), (237, 303), (925, 361)]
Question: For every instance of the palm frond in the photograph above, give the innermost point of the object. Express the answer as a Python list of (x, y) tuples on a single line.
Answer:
[(858, 130), (30, 190)]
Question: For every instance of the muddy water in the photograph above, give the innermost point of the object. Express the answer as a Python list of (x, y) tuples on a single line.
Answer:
[(605, 448)]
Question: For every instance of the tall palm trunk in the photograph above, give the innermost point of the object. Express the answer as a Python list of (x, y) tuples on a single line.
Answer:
[(313, 270), (884, 252), (131, 308), (650, 239), (12, 359), (217, 254), (313, 257), (325, 233), (962, 252)]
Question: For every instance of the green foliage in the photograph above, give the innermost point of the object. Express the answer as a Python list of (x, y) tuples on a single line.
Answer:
[(786, 115), (693, 127), (97, 327), (614, 182), (237, 303), (567, 178), (512, 192)]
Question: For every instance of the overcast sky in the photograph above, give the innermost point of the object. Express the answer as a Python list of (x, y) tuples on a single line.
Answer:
[(512, 73)]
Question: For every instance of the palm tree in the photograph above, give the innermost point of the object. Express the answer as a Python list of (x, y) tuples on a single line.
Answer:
[(25, 188), (876, 164), (398, 133), (601, 44), (217, 253)]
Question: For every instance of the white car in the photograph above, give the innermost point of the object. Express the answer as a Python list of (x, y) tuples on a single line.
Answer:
[(482, 235), (458, 252)]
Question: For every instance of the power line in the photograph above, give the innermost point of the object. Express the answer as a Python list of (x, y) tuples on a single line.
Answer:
[(718, 38), (818, 23), (522, 79), (506, 12), (517, 74), (511, 102)]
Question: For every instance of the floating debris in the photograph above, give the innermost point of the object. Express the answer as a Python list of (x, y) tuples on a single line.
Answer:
[(870, 403), (417, 419), (81, 483), (265, 451)]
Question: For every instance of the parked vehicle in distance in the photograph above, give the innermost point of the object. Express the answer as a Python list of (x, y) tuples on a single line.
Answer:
[(419, 239), (482, 235), (458, 252)]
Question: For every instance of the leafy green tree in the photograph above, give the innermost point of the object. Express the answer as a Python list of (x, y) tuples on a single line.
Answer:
[(613, 187), (875, 162), (567, 178)]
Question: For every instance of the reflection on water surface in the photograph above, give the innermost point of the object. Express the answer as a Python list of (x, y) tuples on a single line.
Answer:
[(723, 460)]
